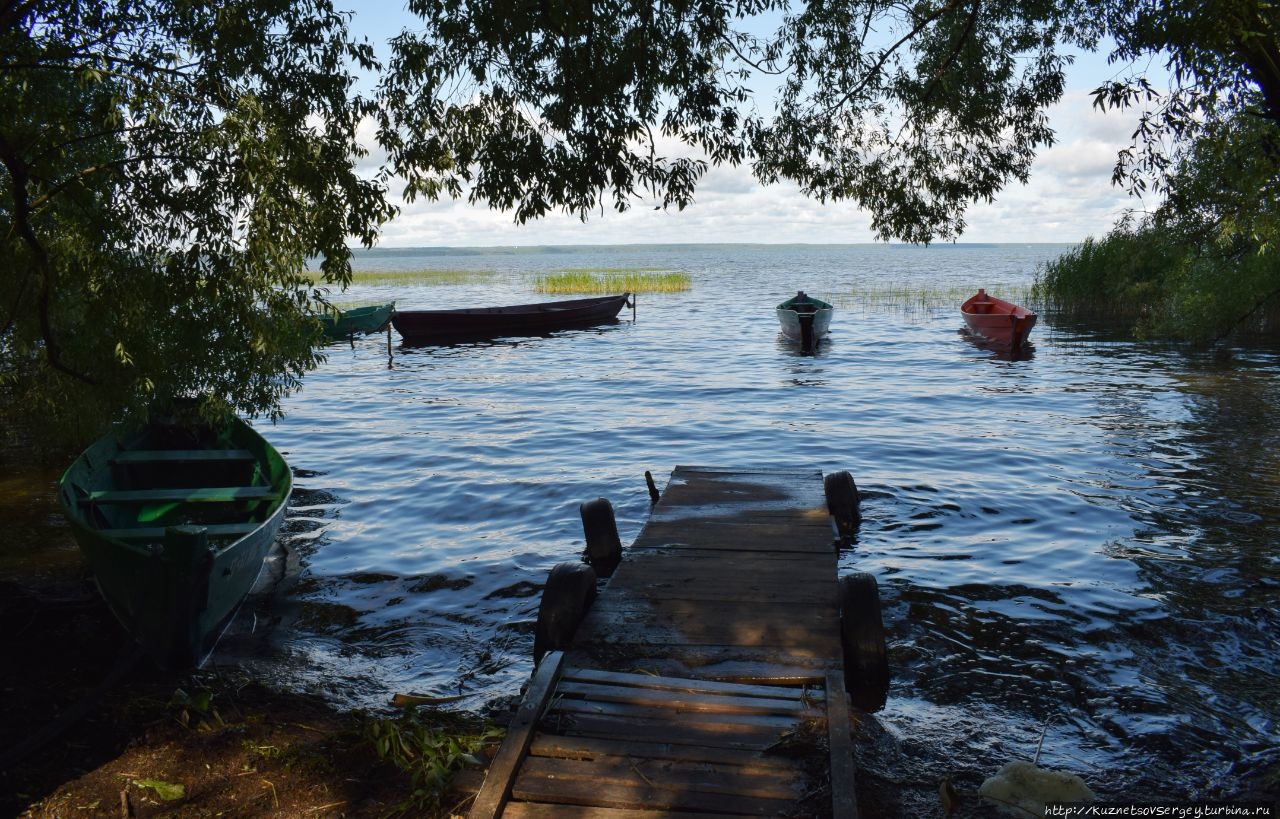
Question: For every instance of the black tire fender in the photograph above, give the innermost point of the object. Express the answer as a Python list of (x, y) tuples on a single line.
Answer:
[(604, 548), (866, 659), (843, 502), (569, 593)]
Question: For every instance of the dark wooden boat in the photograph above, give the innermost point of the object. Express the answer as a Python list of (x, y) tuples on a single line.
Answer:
[(175, 522), (805, 319), (430, 326), (998, 321), (354, 321)]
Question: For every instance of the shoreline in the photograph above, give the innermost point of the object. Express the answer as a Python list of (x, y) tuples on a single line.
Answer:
[(236, 746)]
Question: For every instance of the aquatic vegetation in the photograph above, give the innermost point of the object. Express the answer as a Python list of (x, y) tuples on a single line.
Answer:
[(908, 297), (615, 280), (1143, 275)]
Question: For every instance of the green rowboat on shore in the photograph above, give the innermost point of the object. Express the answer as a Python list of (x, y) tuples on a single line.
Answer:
[(175, 521)]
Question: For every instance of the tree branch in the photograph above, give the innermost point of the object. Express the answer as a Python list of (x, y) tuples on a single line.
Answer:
[(22, 223), (1262, 302), (949, 6)]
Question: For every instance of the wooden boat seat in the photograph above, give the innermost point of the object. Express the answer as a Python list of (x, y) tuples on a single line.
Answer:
[(146, 456), (217, 494), (157, 532)]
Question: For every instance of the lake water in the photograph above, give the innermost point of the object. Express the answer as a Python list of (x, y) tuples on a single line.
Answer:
[(1079, 543)]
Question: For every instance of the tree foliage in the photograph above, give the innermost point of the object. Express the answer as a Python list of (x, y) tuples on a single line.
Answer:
[(1224, 61), (167, 168), (913, 110)]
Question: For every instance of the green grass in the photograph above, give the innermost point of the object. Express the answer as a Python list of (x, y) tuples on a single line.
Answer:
[(614, 280)]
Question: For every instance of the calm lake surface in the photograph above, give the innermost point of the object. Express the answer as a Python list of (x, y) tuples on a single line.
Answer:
[(1079, 543)]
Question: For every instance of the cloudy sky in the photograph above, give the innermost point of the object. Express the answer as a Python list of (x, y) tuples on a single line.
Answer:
[(1068, 198)]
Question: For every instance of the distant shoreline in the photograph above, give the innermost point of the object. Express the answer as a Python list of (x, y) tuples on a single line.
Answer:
[(445, 249)]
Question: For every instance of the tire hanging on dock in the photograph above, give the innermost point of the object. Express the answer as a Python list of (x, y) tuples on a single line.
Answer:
[(866, 659), (843, 502), (604, 547), (569, 593)]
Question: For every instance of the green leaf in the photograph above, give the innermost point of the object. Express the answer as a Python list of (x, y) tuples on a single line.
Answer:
[(167, 791)]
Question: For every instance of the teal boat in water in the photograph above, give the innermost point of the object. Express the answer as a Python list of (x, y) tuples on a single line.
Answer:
[(804, 318), (175, 521), (354, 321)]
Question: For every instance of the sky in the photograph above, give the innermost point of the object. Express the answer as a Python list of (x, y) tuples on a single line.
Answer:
[(1068, 198)]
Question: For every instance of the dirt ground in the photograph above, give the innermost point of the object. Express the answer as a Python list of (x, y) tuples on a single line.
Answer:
[(89, 729)]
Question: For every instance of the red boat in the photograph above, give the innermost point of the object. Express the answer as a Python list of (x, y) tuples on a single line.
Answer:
[(997, 320)]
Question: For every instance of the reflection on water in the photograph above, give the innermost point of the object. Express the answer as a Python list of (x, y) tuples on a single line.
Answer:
[(1077, 543)]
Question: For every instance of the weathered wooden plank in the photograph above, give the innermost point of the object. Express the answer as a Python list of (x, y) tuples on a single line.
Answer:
[(754, 581), (744, 620), (725, 590), (730, 663), (706, 488), (625, 619), (732, 735), (630, 602), (683, 702), (502, 771), (744, 501), (784, 536), (844, 802), (704, 777), (541, 810), (712, 563), (796, 692), (686, 718), (706, 559), (625, 786), (585, 748)]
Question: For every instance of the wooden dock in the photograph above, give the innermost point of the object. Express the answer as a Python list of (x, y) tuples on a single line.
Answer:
[(706, 679)]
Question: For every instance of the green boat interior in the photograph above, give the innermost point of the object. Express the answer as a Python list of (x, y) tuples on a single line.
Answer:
[(169, 477)]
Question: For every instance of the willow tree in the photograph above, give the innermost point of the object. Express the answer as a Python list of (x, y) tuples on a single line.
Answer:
[(912, 110), (167, 169)]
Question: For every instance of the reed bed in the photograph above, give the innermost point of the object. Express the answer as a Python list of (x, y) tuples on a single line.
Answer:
[(906, 297), (614, 280)]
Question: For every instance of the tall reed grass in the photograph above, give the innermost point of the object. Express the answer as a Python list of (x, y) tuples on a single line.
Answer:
[(909, 298), (1120, 277), (614, 280)]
